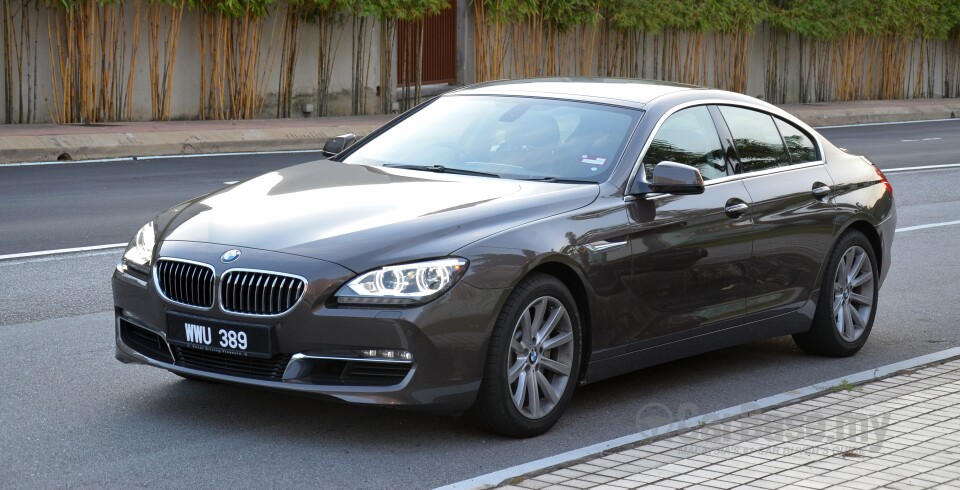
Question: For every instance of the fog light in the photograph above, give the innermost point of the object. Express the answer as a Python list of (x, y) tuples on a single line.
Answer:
[(386, 354)]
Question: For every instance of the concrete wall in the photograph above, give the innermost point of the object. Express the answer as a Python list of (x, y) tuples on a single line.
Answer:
[(650, 49), (186, 99), (187, 68)]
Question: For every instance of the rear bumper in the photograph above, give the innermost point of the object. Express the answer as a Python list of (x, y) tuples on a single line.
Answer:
[(887, 229)]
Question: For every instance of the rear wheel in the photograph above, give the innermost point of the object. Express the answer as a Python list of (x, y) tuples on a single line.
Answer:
[(848, 298), (533, 361)]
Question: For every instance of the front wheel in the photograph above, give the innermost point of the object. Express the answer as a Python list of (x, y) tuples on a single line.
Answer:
[(533, 361), (848, 298)]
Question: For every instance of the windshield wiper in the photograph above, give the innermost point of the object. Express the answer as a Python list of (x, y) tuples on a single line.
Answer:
[(440, 169), (558, 180)]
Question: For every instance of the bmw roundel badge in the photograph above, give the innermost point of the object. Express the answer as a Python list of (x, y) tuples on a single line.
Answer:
[(230, 256)]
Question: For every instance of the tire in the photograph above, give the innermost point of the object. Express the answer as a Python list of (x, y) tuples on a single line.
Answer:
[(842, 334), (544, 362)]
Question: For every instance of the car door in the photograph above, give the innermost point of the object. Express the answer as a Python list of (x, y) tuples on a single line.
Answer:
[(689, 252), (793, 213)]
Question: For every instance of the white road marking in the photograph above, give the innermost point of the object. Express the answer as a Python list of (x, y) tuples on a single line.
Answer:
[(884, 123), (922, 139), (925, 167), (43, 253), (157, 157), (231, 182), (114, 252), (498, 477), (931, 225)]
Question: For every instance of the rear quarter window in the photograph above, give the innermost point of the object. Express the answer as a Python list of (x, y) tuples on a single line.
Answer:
[(756, 138), (799, 144)]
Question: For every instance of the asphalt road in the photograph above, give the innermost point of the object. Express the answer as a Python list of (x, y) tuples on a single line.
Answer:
[(901, 145), (82, 204), (70, 415), (48, 207)]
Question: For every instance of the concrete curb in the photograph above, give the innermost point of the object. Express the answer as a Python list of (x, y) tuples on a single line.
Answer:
[(16, 149), (872, 112)]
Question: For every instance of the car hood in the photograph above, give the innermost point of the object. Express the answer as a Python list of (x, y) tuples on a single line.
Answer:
[(363, 217)]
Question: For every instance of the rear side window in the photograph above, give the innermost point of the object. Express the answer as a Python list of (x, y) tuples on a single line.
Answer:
[(798, 143), (688, 137), (756, 138)]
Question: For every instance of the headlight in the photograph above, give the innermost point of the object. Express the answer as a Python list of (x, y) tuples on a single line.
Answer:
[(139, 253), (403, 284)]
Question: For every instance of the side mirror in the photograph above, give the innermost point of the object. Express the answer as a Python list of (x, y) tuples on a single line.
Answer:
[(338, 144), (676, 178)]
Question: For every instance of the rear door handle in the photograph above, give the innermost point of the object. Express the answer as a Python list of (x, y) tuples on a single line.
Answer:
[(821, 190), (736, 210)]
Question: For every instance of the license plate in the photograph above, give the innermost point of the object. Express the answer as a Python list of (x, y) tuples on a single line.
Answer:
[(216, 336)]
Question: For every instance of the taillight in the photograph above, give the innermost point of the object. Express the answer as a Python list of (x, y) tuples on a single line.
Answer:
[(883, 180)]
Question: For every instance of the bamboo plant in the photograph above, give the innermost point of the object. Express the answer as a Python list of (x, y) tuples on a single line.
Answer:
[(819, 50), (330, 20)]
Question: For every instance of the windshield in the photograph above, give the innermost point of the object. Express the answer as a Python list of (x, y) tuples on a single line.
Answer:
[(509, 137)]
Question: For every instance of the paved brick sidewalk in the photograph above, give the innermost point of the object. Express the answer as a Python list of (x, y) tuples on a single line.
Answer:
[(901, 432)]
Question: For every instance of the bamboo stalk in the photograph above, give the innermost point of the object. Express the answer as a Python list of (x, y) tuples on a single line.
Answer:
[(328, 23), (418, 61), (202, 44), (163, 55), (53, 109), (366, 72), (480, 43), (32, 62), (8, 43)]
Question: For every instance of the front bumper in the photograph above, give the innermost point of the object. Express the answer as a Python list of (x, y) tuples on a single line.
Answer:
[(316, 342)]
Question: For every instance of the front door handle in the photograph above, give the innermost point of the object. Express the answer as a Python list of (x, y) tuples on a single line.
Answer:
[(821, 190), (736, 210)]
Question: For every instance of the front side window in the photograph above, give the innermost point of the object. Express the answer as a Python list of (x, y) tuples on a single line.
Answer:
[(798, 143), (688, 137), (756, 138), (509, 137)]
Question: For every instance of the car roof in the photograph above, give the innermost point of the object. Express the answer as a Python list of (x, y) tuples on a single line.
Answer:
[(620, 91)]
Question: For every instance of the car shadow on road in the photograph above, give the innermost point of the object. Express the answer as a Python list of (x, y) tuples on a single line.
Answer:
[(699, 383), (269, 414), (598, 411)]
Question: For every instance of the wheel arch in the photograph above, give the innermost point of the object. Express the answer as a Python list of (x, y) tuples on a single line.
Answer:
[(569, 277), (873, 236), (858, 223)]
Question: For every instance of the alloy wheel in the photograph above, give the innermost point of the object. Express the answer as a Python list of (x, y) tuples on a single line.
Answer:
[(541, 357), (853, 293)]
